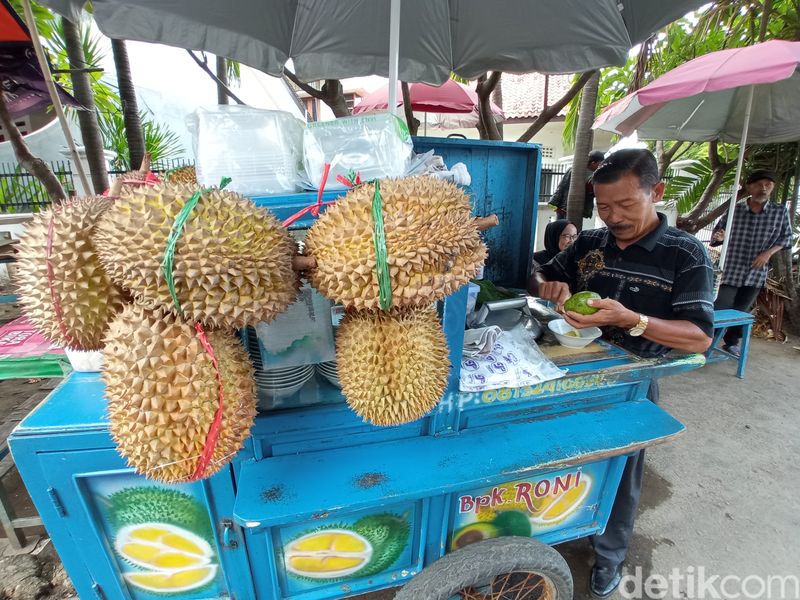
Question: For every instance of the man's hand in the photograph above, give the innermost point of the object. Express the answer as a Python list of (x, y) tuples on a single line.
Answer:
[(554, 291), (718, 235), (610, 312), (762, 259)]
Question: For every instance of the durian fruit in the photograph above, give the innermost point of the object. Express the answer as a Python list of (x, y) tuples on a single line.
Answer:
[(186, 174), (432, 243), (162, 393), (232, 263), (84, 295), (393, 365)]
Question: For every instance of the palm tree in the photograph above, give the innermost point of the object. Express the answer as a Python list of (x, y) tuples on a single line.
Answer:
[(583, 145), (87, 119), (130, 108)]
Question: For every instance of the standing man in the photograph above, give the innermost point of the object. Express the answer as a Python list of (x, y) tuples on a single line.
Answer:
[(559, 199), (657, 288), (760, 229)]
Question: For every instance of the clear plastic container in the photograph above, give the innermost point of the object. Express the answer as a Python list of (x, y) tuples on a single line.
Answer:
[(260, 150), (375, 146)]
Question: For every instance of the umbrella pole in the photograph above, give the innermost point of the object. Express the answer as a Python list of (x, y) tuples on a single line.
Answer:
[(51, 88), (739, 163), (394, 53)]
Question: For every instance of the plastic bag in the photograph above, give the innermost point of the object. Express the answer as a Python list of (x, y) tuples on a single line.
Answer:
[(515, 361), (375, 146), (260, 150)]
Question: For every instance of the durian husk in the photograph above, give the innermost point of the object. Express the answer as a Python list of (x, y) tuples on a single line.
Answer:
[(162, 393), (232, 264), (185, 175), (432, 244), (393, 366), (86, 295)]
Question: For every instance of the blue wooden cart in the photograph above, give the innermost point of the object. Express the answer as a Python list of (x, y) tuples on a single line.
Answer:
[(321, 505)]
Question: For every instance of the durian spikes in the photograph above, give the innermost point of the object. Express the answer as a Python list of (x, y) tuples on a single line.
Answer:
[(393, 366), (303, 262), (72, 302), (432, 243), (162, 394), (232, 262)]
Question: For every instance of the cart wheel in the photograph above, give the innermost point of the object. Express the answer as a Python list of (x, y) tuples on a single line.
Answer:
[(505, 568)]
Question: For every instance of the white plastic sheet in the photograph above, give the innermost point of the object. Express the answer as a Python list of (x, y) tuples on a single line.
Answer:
[(515, 361)]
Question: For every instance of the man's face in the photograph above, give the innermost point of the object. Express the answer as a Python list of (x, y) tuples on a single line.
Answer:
[(593, 164), (760, 190), (626, 208)]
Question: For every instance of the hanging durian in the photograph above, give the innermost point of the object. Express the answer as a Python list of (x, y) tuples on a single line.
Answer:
[(163, 393), (393, 365), (232, 262), (432, 243), (68, 297)]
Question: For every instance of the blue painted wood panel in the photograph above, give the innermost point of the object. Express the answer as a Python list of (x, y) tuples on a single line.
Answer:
[(290, 488)]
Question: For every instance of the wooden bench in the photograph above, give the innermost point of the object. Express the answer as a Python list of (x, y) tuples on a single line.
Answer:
[(731, 318)]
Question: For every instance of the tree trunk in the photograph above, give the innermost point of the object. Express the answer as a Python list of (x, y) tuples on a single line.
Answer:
[(331, 93), (222, 84), (583, 145), (333, 96), (666, 156), (408, 110), (130, 108), (696, 219), (497, 98), (552, 111), (87, 119), (35, 166), (486, 86)]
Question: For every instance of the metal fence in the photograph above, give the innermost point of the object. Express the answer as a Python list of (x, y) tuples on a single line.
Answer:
[(551, 177), (21, 192)]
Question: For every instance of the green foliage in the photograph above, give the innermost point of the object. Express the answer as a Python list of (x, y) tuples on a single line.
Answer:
[(45, 20), (159, 140), (683, 192)]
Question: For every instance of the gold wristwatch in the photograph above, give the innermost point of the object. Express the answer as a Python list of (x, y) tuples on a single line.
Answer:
[(640, 326)]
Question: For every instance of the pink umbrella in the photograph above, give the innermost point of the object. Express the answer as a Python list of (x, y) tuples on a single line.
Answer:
[(737, 95), (451, 97)]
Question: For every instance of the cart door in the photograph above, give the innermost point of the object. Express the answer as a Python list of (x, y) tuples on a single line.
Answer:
[(141, 539)]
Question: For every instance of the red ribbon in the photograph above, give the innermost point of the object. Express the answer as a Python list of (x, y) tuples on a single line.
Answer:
[(150, 178), (51, 278), (313, 208), (213, 433)]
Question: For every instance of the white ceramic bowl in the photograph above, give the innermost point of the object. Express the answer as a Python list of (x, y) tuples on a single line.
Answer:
[(586, 336), (85, 361)]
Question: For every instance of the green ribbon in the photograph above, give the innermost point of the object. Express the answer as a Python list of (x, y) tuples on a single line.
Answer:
[(381, 260), (172, 241)]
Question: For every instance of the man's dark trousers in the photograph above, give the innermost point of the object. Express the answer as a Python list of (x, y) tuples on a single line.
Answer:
[(738, 298), (611, 546)]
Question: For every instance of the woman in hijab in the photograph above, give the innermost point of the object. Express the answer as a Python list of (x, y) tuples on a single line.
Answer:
[(558, 236)]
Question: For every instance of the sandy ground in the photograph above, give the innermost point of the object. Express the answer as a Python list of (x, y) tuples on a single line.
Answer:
[(722, 498)]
